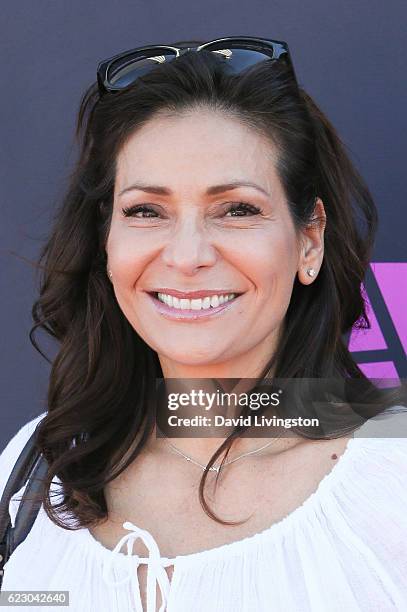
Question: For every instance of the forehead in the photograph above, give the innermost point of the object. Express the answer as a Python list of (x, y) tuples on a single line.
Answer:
[(199, 147)]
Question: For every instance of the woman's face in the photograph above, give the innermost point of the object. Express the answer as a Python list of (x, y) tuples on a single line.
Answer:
[(200, 231)]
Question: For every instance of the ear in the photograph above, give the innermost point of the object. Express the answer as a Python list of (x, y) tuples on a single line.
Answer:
[(312, 245)]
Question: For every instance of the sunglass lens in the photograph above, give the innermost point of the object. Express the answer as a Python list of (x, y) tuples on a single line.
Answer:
[(237, 60), (126, 70)]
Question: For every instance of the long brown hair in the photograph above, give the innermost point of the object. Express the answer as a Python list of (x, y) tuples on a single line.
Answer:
[(99, 397)]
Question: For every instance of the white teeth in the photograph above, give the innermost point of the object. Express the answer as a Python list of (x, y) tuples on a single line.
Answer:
[(195, 304)]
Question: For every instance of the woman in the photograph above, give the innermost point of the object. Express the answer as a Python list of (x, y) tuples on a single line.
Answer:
[(209, 171)]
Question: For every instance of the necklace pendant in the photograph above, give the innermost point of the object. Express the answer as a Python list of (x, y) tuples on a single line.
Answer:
[(213, 469)]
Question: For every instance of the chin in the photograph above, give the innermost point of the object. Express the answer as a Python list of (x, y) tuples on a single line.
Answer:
[(188, 357)]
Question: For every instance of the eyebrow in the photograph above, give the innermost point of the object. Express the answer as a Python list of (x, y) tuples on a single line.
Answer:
[(214, 190)]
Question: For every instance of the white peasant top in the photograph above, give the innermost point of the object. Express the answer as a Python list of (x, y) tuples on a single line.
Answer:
[(343, 550)]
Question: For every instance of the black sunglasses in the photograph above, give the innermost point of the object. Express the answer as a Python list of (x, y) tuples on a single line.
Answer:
[(236, 53)]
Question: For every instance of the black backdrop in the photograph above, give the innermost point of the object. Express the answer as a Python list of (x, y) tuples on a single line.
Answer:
[(349, 55)]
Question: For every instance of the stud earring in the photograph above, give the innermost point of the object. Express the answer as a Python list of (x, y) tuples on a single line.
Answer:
[(109, 273), (311, 272)]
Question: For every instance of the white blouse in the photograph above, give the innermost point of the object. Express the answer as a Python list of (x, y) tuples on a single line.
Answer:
[(343, 550)]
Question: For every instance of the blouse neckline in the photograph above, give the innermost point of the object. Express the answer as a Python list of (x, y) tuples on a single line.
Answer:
[(275, 530)]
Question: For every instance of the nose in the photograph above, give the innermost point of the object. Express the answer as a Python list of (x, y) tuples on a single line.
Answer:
[(190, 247)]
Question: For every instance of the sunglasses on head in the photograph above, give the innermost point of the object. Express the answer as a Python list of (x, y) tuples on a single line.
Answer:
[(235, 53)]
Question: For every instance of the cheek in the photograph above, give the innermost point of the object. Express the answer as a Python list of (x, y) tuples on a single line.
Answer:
[(273, 262), (127, 257)]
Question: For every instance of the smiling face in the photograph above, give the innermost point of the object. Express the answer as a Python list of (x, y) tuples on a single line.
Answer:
[(189, 236)]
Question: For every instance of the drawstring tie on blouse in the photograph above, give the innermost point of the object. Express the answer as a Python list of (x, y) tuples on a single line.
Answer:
[(155, 570)]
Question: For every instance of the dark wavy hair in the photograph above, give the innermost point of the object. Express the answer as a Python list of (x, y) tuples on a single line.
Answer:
[(100, 413)]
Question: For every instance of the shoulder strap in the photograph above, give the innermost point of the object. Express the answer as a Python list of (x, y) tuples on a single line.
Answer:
[(31, 466)]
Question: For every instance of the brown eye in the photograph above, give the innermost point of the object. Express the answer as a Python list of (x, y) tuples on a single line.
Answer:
[(131, 211), (244, 207)]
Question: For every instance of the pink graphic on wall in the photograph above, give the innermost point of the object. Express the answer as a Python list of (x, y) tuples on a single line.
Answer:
[(367, 339), (379, 369), (392, 281)]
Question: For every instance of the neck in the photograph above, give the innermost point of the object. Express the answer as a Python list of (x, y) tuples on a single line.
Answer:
[(213, 382), (204, 437)]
